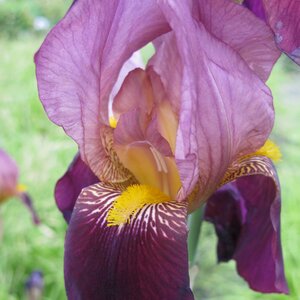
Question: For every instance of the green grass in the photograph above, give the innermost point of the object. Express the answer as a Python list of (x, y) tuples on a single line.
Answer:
[(43, 152)]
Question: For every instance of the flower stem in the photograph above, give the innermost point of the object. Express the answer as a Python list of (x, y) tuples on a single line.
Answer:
[(194, 222)]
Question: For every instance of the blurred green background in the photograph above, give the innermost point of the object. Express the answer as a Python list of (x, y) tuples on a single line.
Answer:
[(43, 152)]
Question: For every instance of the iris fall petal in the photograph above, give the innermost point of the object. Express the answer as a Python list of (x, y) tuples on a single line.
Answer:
[(146, 259), (69, 186), (246, 215)]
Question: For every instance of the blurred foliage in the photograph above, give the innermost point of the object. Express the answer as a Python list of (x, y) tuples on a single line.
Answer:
[(18, 16)]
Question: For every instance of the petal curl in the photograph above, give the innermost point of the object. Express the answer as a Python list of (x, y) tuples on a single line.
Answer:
[(146, 259), (249, 231), (79, 63), (283, 16), (69, 186), (220, 97)]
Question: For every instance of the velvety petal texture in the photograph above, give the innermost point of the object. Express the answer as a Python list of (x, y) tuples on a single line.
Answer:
[(246, 215), (8, 176), (146, 259), (283, 16), (226, 210), (69, 186), (220, 96), (86, 51)]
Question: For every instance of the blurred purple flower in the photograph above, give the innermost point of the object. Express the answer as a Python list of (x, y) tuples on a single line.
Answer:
[(9, 184), (34, 285), (179, 129)]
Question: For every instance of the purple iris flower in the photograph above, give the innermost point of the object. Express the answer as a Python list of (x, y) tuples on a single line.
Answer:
[(10, 186), (195, 118), (283, 16)]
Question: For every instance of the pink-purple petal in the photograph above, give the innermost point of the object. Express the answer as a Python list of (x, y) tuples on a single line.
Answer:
[(220, 97), (146, 259), (80, 60), (69, 186), (252, 39), (246, 215), (283, 16)]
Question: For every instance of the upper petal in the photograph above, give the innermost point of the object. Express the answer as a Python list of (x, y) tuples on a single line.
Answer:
[(220, 97), (246, 215), (69, 186), (146, 153), (80, 60), (284, 18), (146, 259), (241, 30)]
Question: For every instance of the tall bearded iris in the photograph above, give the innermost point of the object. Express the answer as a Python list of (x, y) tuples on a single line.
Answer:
[(10, 186), (197, 117)]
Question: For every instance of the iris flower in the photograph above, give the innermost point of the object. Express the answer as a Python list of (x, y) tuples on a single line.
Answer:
[(10, 186), (196, 118)]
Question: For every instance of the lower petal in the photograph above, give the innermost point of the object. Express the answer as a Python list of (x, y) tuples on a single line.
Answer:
[(259, 255), (146, 259), (246, 215), (69, 186)]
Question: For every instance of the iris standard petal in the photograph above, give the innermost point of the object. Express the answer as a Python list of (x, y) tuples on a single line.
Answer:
[(283, 16), (136, 91), (252, 39), (79, 63), (146, 259), (8, 176), (220, 97), (138, 140), (284, 19), (69, 186), (250, 233)]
